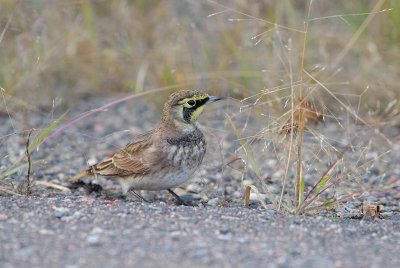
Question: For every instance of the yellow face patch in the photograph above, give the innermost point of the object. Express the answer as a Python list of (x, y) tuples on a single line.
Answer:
[(196, 113), (189, 109), (185, 101)]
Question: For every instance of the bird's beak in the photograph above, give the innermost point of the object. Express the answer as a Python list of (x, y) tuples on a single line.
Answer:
[(212, 99)]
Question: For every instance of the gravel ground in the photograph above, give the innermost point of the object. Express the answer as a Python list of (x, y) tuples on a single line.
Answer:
[(78, 231), (53, 228)]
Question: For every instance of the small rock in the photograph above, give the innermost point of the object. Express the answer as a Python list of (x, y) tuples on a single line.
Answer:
[(247, 183), (393, 180), (190, 197), (387, 214), (224, 237), (229, 190), (372, 199), (79, 193), (93, 239), (256, 197), (59, 214), (213, 202), (224, 230), (237, 194), (397, 196), (193, 188), (177, 234)]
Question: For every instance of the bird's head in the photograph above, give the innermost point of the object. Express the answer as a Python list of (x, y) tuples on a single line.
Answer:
[(184, 108)]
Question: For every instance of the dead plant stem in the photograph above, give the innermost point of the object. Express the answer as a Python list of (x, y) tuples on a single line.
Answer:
[(292, 125), (28, 175), (301, 116)]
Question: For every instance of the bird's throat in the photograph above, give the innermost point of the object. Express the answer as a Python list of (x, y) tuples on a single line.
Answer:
[(185, 127)]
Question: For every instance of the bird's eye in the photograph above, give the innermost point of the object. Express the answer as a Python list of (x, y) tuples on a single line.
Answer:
[(191, 102)]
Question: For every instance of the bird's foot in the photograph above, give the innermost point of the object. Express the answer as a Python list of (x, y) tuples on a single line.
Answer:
[(138, 196), (179, 201)]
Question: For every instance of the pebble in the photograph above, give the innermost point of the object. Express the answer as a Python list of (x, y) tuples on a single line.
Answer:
[(177, 234), (383, 200), (229, 189), (387, 214), (193, 188), (190, 197), (225, 237), (79, 193), (393, 180), (224, 230), (213, 202), (59, 214), (247, 182), (93, 239), (237, 195), (256, 197)]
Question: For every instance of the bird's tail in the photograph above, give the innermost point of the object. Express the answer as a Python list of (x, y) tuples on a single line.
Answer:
[(79, 176)]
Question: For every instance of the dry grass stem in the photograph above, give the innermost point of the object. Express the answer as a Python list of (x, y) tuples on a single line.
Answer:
[(358, 33), (299, 175), (28, 175), (247, 196), (6, 191), (52, 185)]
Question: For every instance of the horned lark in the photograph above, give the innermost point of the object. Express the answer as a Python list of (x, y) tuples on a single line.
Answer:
[(164, 157)]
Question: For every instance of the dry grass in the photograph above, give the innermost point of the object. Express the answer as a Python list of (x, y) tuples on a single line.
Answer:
[(65, 50), (279, 57)]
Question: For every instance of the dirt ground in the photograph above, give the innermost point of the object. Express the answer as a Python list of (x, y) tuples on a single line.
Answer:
[(53, 228)]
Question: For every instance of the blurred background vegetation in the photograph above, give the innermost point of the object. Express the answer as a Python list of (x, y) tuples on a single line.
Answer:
[(61, 51)]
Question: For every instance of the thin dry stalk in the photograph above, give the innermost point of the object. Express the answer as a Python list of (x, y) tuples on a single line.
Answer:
[(53, 185), (268, 193), (4, 190), (247, 196), (17, 132), (326, 173), (28, 175), (357, 34), (353, 113), (347, 198), (301, 116), (291, 132)]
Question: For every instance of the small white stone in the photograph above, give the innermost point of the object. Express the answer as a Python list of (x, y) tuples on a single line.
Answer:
[(193, 188)]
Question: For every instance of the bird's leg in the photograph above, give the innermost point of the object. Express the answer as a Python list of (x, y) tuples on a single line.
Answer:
[(138, 196), (179, 200)]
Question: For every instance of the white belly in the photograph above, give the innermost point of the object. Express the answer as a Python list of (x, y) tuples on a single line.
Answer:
[(156, 183), (182, 163)]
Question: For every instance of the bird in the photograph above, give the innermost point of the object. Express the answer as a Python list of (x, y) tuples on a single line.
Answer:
[(162, 158)]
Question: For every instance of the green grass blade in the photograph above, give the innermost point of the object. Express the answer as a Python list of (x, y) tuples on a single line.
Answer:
[(322, 184), (89, 21), (301, 191), (32, 146), (250, 156), (45, 133), (17, 168), (329, 203)]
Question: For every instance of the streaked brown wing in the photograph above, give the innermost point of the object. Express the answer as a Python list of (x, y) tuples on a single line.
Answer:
[(128, 161)]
